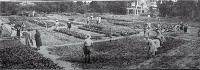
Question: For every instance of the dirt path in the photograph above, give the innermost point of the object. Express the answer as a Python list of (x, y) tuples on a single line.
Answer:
[(66, 65)]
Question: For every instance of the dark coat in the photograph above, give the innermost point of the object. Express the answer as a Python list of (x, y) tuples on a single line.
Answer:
[(18, 32), (69, 25), (38, 39)]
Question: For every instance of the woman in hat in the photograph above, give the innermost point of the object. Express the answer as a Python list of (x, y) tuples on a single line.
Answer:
[(185, 28), (38, 39)]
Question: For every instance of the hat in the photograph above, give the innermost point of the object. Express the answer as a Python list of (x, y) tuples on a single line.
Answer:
[(88, 36)]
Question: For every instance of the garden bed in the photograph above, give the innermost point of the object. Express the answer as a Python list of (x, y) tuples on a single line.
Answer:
[(24, 57), (75, 34), (113, 30), (41, 22), (116, 54)]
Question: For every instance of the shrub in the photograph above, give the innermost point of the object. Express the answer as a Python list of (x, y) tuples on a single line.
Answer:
[(75, 34)]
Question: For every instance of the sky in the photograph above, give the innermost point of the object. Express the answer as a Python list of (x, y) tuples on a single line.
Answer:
[(65, 0)]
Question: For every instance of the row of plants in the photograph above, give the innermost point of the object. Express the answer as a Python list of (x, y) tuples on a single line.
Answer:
[(4, 20), (75, 34), (17, 18), (134, 25), (24, 57), (108, 30), (115, 18), (140, 25), (41, 23), (72, 22)]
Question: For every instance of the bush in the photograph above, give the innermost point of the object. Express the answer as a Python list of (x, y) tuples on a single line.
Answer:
[(75, 34), (71, 33), (24, 57), (106, 30), (71, 19), (42, 23)]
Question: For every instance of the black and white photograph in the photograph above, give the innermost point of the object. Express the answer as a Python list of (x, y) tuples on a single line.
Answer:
[(99, 34)]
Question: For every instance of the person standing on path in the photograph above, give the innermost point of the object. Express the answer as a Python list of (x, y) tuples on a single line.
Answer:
[(88, 20), (98, 20), (145, 28), (57, 23), (86, 48), (181, 26), (185, 28), (69, 25), (27, 38), (38, 39), (23, 26), (18, 28)]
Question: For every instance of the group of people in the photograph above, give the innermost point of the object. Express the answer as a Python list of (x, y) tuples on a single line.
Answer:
[(181, 27), (17, 31), (98, 19), (69, 25), (31, 35), (154, 37)]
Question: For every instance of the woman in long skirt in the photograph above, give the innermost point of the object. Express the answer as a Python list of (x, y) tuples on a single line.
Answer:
[(185, 28), (69, 25), (18, 32), (38, 39)]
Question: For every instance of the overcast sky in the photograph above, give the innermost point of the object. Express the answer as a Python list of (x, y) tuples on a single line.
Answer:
[(65, 0)]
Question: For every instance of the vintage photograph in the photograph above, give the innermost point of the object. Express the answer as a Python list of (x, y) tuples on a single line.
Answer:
[(95, 34)]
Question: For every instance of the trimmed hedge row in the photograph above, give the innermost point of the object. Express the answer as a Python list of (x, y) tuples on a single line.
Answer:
[(41, 23), (24, 57), (105, 30), (75, 34)]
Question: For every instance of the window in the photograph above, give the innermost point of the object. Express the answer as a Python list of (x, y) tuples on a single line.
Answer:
[(138, 11), (142, 11)]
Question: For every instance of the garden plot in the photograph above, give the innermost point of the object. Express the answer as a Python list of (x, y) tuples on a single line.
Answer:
[(126, 18), (50, 38), (116, 54), (114, 30), (78, 33), (4, 20), (184, 57), (41, 22), (17, 56)]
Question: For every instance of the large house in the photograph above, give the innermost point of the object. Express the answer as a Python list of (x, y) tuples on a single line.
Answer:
[(137, 7)]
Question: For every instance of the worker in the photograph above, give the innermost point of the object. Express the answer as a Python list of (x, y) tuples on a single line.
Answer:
[(57, 23), (69, 25), (38, 39), (153, 44), (86, 48), (27, 38)]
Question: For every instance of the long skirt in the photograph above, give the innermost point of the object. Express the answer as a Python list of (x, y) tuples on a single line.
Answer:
[(185, 29), (38, 42)]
